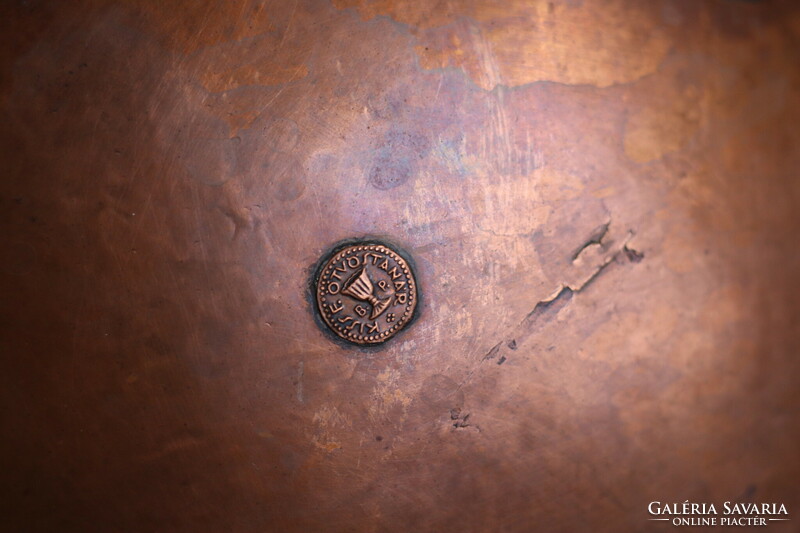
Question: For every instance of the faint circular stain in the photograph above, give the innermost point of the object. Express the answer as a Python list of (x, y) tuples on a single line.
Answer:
[(283, 134), (398, 158), (287, 178), (441, 393), (207, 151), (388, 173)]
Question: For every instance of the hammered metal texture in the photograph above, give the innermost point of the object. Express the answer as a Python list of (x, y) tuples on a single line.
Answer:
[(600, 198)]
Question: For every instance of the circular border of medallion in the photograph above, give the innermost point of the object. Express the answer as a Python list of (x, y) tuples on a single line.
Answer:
[(365, 292)]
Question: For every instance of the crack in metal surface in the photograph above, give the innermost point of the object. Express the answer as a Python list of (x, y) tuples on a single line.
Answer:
[(550, 307), (596, 238), (546, 309)]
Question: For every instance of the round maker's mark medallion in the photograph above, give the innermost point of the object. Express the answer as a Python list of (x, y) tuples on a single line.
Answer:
[(366, 293)]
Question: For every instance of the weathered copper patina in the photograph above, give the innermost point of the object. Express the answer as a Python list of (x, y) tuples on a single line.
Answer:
[(600, 198)]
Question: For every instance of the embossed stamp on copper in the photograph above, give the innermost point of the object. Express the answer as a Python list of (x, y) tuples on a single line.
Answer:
[(366, 293)]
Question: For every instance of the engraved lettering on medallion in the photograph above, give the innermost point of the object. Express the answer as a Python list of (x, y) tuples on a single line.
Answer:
[(335, 308), (371, 283)]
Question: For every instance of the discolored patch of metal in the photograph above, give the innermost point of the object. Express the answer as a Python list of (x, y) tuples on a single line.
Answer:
[(366, 292)]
